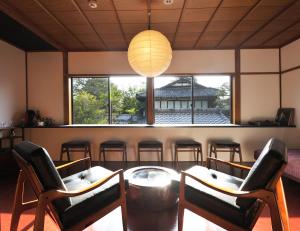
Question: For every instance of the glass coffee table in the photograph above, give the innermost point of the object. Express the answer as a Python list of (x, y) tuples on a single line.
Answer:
[(152, 187)]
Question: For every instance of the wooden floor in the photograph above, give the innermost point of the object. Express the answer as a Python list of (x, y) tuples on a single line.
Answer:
[(140, 220)]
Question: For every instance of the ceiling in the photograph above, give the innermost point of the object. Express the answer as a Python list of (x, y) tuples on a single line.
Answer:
[(188, 24), (16, 34)]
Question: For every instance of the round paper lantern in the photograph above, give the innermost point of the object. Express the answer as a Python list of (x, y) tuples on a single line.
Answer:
[(149, 53)]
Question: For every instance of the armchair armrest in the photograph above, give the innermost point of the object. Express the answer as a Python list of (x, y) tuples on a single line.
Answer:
[(74, 167), (243, 167), (260, 193), (46, 197), (55, 194)]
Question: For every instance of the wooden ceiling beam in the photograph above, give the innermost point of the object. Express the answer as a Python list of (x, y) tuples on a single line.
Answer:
[(280, 32), (267, 23), (45, 9), (207, 24), (177, 26), (22, 19), (240, 21), (119, 22), (85, 18)]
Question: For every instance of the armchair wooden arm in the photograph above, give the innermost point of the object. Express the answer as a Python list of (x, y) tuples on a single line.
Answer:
[(274, 199), (55, 194), (46, 197), (261, 193), (243, 167)]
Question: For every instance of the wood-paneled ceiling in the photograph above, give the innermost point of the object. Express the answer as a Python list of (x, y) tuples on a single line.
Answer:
[(188, 24)]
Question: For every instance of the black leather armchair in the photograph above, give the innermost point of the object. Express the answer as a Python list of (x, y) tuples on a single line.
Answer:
[(73, 202), (234, 203)]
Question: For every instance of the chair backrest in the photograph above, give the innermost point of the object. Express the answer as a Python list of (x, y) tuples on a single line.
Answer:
[(266, 170), (44, 168)]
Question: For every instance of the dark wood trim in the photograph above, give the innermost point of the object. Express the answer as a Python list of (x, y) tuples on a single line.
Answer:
[(22, 19), (280, 32), (177, 26), (85, 18), (290, 69), (175, 126), (193, 100), (54, 18), (109, 103), (237, 88), (66, 91), (239, 22), (268, 22), (280, 80), (119, 22), (26, 80), (207, 24), (150, 101), (261, 73), (131, 74)]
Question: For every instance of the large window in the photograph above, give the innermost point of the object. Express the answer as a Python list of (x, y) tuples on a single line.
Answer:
[(104, 100), (198, 99), (195, 99)]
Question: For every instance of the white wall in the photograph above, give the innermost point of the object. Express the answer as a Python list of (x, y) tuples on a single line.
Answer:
[(45, 84), (257, 102), (291, 83), (12, 84), (259, 60), (290, 55), (206, 61), (249, 138), (259, 92)]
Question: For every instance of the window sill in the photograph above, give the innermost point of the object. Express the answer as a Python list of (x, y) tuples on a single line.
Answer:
[(163, 126)]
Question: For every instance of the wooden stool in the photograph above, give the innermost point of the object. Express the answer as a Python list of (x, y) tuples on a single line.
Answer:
[(76, 146), (225, 146), (113, 146), (150, 146), (188, 146)]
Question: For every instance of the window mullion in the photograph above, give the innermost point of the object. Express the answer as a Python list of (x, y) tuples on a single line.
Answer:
[(109, 103), (193, 104)]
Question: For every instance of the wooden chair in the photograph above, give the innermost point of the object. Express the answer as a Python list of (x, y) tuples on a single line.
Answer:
[(234, 203), (150, 146), (73, 202)]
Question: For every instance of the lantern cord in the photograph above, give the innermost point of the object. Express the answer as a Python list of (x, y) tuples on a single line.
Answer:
[(149, 13)]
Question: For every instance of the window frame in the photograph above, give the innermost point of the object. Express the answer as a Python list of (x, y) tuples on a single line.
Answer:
[(150, 102)]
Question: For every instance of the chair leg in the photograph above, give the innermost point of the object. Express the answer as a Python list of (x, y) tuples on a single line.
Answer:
[(89, 152), (40, 215), (280, 195), (139, 156), (175, 156), (68, 154), (19, 206), (162, 155), (125, 155), (180, 217), (16, 212), (61, 153), (201, 153)]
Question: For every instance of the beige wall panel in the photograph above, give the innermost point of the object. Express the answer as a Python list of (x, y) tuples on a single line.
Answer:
[(250, 139), (259, 60), (12, 84), (291, 92), (290, 55), (45, 84), (205, 61), (259, 97)]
